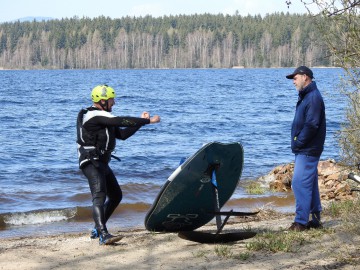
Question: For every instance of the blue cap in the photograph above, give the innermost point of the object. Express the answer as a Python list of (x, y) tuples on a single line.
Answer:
[(301, 70)]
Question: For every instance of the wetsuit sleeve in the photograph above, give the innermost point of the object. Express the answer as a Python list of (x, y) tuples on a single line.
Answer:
[(120, 121), (96, 120), (124, 133)]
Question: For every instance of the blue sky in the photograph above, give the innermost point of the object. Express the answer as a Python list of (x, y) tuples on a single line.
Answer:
[(16, 9)]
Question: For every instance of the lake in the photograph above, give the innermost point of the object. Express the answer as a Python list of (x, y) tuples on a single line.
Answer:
[(42, 189)]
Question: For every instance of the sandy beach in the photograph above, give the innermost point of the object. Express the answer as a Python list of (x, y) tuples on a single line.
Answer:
[(334, 247)]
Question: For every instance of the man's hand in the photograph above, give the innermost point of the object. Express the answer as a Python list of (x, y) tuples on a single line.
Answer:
[(145, 115), (155, 119)]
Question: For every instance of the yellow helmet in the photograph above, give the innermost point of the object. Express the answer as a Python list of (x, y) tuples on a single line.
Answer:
[(102, 92)]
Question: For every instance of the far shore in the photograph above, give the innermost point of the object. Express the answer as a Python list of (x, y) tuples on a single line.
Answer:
[(234, 67)]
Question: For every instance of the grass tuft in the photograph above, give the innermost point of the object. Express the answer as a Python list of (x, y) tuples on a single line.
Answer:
[(348, 212), (275, 242), (242, 256), (223, 251), (255, 188)]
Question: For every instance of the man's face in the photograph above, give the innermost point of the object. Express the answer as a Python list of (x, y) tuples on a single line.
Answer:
[(300, 81)]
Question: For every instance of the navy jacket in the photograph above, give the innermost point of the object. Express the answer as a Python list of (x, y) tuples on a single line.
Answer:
[(308, 129)]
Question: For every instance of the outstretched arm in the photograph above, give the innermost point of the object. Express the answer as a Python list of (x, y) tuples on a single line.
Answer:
[(123, 134)]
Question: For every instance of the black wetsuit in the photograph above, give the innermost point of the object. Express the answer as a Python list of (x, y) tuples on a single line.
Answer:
[(97, 131)]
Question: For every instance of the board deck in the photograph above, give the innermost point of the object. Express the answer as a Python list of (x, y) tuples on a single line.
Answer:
[(186, 201)]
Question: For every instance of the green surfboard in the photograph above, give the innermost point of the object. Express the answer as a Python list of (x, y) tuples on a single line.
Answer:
[(190, 197)]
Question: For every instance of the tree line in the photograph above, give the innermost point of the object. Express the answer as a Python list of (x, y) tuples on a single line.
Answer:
[(182, 41)]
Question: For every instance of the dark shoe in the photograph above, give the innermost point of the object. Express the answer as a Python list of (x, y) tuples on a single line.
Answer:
[(314, 225), (297, 227), (94, 234), (108, 239)]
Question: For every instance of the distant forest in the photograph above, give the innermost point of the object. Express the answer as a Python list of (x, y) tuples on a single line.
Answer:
[(183, 41)]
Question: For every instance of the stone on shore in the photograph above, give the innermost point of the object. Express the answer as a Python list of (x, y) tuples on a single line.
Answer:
[(332, 180)]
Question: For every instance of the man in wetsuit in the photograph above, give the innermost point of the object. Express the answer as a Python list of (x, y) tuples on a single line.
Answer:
[(97, 131)]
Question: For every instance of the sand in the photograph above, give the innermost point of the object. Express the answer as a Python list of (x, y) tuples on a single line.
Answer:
[(140, 249)]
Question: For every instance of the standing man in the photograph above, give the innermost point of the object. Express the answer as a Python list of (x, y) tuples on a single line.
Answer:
[(307, 143), (97, 131)]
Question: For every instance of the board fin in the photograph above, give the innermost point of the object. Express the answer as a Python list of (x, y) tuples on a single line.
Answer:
[(213, 238), (232, 213)]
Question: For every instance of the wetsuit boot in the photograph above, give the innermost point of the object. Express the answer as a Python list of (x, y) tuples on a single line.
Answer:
[(94, 233), (109, 209), (99, 218), (105, 238)]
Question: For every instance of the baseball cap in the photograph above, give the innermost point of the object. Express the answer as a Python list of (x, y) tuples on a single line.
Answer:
[(301, 70)]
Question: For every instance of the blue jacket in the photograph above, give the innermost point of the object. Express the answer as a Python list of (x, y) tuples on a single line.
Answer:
[(308, 129)]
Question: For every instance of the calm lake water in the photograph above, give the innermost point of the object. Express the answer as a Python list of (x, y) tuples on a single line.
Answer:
[(42, 189)]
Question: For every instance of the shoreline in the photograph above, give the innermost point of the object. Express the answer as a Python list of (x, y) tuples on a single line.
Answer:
[(124, 217), (141, 249), (128, 220), (332, 187)]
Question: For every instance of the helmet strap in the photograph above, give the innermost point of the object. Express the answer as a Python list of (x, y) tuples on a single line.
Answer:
[(105, 105)]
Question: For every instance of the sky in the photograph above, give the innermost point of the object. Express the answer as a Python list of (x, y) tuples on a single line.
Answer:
[(16, 9)]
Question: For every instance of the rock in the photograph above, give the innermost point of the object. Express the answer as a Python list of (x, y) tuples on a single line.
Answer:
[(332, 180)]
